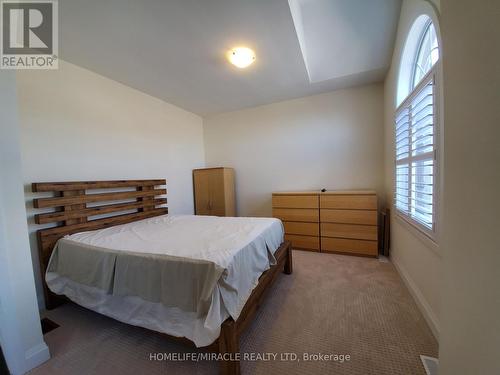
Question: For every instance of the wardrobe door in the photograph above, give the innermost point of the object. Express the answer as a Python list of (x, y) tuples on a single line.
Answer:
[(201, 184), (216, 200)]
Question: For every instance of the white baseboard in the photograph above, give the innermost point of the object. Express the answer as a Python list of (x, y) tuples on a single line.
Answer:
[(423, 305), (36, 355), (431, 364)]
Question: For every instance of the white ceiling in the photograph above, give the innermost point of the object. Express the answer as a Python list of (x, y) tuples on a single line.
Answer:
[(174, 49), (340, 38)]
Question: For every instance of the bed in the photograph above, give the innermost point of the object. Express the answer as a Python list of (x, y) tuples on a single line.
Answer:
[(198, 279)]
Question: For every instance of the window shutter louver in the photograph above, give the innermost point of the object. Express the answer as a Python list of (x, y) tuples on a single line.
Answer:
[(415, 155)]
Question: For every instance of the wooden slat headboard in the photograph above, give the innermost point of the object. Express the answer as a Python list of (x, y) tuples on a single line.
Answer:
[(76, 205)]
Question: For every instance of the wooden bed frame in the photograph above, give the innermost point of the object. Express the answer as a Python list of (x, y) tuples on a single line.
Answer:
[(75, 209)]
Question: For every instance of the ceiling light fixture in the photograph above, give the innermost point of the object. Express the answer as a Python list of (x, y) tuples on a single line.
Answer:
[(241, 57)]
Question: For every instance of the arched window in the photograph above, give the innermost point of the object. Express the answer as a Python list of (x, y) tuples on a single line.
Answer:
[(427, 54), (415, 128)]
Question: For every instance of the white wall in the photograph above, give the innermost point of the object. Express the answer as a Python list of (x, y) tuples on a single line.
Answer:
[(418, 260), (20, 332), (77, 125), (332, 140), (470, 340)]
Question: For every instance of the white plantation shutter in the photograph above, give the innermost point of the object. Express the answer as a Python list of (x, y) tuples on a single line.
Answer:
[(415, 140)]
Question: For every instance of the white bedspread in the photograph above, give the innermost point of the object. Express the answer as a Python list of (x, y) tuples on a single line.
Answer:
[(242, 248)]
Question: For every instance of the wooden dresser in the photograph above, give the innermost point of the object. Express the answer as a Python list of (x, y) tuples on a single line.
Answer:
[(300, 215), (213, 190), (333, 221)]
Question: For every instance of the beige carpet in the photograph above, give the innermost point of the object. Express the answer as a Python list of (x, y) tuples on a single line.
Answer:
[(332, 304)]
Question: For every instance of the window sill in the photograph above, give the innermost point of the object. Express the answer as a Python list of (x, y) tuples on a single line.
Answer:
[(416, 232)]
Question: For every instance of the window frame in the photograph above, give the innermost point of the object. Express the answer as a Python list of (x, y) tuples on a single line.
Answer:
[(420, 43), (431, 75)]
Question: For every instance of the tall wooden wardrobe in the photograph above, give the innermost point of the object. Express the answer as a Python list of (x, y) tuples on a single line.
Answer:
[(214, 191)]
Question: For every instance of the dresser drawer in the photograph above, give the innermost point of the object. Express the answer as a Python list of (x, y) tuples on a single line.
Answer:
[(307, 229), (349, 202), (342, 245), (295, 201), (297, 214), (354, 231), (303, 242), (349, 216)]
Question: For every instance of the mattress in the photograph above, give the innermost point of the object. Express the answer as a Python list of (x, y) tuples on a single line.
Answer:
[(178, 274)]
